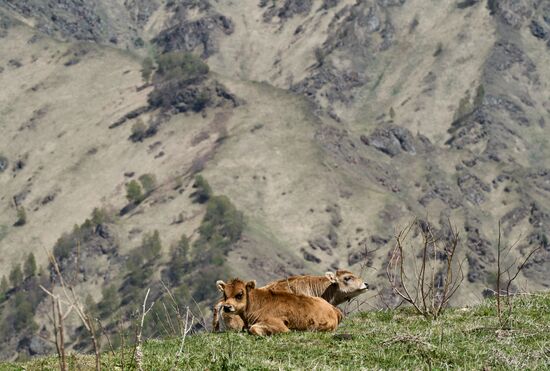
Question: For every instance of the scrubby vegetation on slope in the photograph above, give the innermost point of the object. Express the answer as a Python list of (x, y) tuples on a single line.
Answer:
[(466, 338)]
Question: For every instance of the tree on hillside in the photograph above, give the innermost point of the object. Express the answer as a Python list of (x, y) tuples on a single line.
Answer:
[(179, 262), (109, 302), (16, 276), (23, 313), (4, 285), (134, 192), (151, 245), (3, 288), (30, 266), (183, 66), (139, 131), (203, 191)]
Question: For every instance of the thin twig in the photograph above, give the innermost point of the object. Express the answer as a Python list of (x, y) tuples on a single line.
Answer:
[(139, 351), (111, 348)]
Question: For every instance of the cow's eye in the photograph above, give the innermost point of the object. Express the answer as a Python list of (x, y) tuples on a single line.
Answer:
[(239, 296), (347, 278)]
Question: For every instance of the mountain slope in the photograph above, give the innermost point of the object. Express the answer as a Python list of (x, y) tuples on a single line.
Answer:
[(332, 124)]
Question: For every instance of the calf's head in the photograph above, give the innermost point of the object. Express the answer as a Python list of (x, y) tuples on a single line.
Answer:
[(234, 295), (348, 284)]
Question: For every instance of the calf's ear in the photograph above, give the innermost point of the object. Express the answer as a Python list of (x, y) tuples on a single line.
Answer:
[(220, 285), (331, 277), (251, 285)]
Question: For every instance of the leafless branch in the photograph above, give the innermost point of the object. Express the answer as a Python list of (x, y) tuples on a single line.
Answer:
[(424, 291), (504, 318), (71, 302), (138, 356)]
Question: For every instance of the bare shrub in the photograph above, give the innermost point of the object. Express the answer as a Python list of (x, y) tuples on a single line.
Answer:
[(430, 286), (505, 276), (62, 306)]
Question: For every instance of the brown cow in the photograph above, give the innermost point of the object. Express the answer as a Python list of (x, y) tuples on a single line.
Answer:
[(334, 288), (268, 312)]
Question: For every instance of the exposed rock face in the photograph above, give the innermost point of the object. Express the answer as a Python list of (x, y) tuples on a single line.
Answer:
[(286, 10), (86, 20), (357, 32), (181, 96), (195, 34), (439, 189), (309, 256), (391, 140), (194, 27), (473, 188), (141, 10)]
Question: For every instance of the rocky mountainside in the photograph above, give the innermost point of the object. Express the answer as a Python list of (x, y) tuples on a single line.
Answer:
[(318, 128)]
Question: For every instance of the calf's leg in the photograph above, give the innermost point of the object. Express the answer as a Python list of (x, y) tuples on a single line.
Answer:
[(268, 326), (232, 322)]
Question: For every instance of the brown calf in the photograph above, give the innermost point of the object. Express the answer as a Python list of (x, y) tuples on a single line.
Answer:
[(267, 312), (334, 288)]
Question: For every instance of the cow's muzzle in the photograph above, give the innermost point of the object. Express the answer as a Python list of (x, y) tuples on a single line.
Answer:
[(365, 286), (228, 308)]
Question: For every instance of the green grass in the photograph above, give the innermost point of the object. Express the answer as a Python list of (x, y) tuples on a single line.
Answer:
[(467, 338)]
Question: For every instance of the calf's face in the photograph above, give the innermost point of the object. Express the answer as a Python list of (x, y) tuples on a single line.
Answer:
[(349, 285), (234, 295)]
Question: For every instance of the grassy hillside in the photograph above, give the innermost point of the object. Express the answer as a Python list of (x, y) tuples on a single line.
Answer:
[(465, 338)]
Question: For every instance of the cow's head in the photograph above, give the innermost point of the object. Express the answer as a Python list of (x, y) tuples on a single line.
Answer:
[(234, 295), (349, 284)]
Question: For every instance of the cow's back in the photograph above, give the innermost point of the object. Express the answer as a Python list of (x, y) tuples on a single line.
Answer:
[(300, 285), (298, 312)]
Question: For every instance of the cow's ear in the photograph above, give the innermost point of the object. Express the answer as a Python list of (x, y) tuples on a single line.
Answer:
[(251, 285), (220, 285), (331, 277)]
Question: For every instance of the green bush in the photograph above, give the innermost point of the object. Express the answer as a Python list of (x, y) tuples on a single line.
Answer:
[(30, 266), (140, 265), (179, 263), (203, 191), (139, 131), (134, 192), (65, 244), (102, 216), (222, 220), (177, 83), (23, 313), (109, 302), (480, 95), (151, 245), (202, 100), (16, 276), (181, 66), (3, 288), (80, 234)]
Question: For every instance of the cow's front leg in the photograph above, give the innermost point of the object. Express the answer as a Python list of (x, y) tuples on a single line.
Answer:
[(232, 322), (268, 326)]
